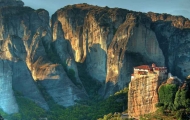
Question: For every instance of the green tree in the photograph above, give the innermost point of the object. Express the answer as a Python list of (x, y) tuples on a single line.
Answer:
[(181, 100), (167, 95)]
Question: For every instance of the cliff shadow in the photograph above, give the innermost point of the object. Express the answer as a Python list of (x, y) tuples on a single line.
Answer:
[(131, 60), (174, 43), (109, 89), (96, 62)]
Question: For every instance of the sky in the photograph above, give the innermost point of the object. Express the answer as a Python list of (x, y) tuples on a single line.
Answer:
[(175, 7)]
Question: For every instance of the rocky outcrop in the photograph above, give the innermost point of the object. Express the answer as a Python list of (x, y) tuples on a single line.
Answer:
[(6, 3), (25, 39), (103, 38), (15, 39), (110, 42), (143, 93), (173, 34), (142, 96), (131, 37), (63, 50)]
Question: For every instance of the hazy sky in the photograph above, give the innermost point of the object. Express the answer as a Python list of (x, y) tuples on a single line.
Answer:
[(181, 7)]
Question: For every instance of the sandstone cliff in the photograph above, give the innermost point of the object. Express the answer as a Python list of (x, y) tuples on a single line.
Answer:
[(143, 89), (112, 41), (143, 96), (173, 35), (25, 35)]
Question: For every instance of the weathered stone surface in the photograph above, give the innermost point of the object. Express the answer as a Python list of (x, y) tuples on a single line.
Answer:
[(25, 38), (143, 91), (173, 34), (7, 100), (7, 3), (131, 38), (108, 39), (103, 37), (61, 89), (25, 84), (86, 45), (110, 42), (13, 48), (63, 49)]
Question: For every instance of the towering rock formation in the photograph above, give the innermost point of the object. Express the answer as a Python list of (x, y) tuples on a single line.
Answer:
[(143, 89), (173, 35), (63, 50), (110, 42), (25, 38)]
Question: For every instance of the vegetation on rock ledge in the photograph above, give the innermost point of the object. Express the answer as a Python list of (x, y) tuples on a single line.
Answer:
[(174, 103)]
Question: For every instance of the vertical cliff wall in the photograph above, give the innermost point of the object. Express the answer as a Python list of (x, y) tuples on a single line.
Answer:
[(173, 34), (110, 42), (7, 99), (106, 40), (25, 39), (102, 38), (143, 95)]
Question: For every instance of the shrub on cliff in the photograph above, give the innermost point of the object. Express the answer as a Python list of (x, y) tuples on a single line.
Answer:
[(167, 94), (175, 100), (181, 100)]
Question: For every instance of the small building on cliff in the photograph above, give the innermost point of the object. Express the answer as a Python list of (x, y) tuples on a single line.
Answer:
[(143, 89)]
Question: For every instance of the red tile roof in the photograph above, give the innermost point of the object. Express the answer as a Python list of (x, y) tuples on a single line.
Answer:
[(145, 67), (150, 68)]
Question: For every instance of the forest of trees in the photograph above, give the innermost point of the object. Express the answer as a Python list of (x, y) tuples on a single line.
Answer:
[(174, 102), (84, 110)]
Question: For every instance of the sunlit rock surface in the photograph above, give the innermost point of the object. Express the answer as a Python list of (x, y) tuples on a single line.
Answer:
[(110, 42), (173, 34), (143, 89), (25, 38), (63, 49)]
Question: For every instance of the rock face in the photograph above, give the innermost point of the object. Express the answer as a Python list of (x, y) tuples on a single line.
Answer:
[(25, 84), (63, 49), (5, 3), (143, 90), (173, 34), (25, 40), (7, 103), (110, 42)]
